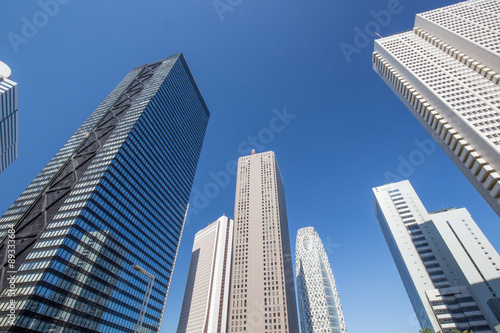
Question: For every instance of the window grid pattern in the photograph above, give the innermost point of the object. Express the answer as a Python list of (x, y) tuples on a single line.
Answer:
[(473, 98), (319, 301), (463, 58), (239, 276), (476, 20), (259, 303), (455, 309), (51, 169), (8, 122), (452, 304), (127, 208), (411, 222)]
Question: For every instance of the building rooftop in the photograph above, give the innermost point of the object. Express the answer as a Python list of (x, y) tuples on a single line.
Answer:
[(5, 70), (442, 210)]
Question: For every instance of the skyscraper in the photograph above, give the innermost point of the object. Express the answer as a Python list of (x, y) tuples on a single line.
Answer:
[(446, 72), (114, 196), (262, 296), (204, 308), (8, 118), (449, 268), (319, 302)]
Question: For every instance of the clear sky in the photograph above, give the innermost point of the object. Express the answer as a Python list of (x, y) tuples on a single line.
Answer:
[(274, 77)]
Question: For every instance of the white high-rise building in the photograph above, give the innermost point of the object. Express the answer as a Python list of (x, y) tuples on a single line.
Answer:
[(319, 302), (450, 270), (8, 118), (446, 72), (262, 297), (204, 308)]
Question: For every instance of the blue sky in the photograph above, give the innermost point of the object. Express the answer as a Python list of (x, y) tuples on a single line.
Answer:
[(343, 132)]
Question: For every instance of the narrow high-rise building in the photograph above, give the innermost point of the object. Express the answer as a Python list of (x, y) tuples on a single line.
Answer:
[(8, 118), (447, 73), (262, 296), (319, 302), (205, 304), (450, 270), (101, 224)]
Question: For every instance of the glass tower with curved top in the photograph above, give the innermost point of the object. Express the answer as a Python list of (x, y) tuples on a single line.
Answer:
[(319, 302)]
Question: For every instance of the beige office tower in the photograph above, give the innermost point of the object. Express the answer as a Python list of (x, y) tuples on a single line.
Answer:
[(262, 296), (204, 309), (447, 73), (8, 118)]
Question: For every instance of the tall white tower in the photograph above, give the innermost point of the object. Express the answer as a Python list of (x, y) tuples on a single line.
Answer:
[(204, 308), (262, 297), (8, 118), (450, 270), (319, 302), (446, 72)]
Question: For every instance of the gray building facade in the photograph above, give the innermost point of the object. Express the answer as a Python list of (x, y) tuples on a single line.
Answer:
[(450, 270)]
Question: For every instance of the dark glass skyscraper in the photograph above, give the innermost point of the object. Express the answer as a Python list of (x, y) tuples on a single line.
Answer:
[(114, 196)]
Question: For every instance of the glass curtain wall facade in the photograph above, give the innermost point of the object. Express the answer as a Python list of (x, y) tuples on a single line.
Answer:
[(319, 302), (8, 118), (114, 196)]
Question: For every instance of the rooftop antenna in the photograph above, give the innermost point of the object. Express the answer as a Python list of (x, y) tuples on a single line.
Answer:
[(253, 151), (378, 34)]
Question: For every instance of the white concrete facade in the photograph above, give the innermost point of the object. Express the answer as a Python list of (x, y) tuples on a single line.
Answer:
[(446, 72), (262, 297), (8, 118), (449, 268), (204, 308), (319, 302)]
